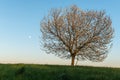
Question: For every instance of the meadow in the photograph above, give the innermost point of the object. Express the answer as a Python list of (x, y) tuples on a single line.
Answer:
[(56, 72)]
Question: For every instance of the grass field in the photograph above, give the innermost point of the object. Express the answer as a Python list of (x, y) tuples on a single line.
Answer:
[(55, 72)]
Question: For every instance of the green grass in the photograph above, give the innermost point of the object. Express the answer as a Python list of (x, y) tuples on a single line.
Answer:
[(55, 72)]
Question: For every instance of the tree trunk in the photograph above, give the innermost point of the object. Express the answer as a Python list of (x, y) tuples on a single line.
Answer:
[(73, 60)]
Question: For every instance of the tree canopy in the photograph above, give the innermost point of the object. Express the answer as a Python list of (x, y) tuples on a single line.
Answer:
[(77, 34)]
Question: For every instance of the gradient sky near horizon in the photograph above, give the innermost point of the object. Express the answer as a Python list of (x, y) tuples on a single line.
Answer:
[(20, 30)]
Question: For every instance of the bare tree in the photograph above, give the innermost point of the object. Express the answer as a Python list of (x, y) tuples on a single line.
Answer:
[(77, 34)]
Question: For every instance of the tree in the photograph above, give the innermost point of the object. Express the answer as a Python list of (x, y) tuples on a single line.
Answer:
[(77, 34)]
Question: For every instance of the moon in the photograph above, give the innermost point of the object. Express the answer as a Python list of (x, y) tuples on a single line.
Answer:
[(29, 36)]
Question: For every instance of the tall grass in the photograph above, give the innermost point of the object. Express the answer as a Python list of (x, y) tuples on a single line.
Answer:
[(55, 72)]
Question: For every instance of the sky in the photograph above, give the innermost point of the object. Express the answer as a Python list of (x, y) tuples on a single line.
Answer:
[(20, 34)]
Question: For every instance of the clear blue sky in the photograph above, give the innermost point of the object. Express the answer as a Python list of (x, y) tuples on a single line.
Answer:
[(20, 30)]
